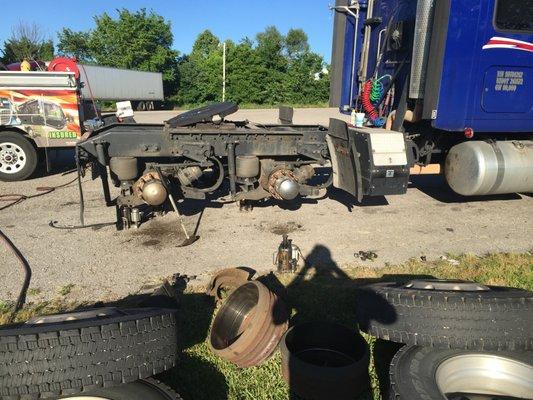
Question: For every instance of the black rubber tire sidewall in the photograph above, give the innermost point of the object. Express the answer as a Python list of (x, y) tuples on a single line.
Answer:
[(90, 354), (30, 153), (143, 389), (413, 368), (498, 319)]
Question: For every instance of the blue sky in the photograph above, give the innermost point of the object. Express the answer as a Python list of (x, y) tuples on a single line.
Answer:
[(228, 19)]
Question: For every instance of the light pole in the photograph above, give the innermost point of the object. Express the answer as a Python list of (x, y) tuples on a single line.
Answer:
[(224, 71)]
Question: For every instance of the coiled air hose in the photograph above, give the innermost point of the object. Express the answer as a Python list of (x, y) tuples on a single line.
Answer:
[(372, 95)]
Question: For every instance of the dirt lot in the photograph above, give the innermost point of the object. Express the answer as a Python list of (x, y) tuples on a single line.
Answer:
[(102, 264)]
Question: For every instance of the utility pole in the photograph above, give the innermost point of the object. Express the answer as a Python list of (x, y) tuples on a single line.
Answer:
[(224, 71)]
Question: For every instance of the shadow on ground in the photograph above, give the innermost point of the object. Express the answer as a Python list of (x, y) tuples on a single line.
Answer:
[(322, 291), (193, 378), (435, 186)]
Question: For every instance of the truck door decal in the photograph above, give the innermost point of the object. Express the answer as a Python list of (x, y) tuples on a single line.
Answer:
[(497, 42)]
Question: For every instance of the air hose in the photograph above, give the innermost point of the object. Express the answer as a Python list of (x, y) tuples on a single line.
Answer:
[(372, 96), (21, 299)]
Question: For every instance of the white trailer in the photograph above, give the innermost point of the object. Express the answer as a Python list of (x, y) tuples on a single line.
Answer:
[(140, 87)]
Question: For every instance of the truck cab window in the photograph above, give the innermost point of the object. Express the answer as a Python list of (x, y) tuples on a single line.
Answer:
[(514, 15), (52, 110)]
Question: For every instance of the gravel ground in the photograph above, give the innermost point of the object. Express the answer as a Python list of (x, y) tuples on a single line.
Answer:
[(105, 264)]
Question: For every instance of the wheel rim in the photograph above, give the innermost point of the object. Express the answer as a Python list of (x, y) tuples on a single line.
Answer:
[(88, 398), (96, 313), (484, 377), (448, 285), (12, 158)]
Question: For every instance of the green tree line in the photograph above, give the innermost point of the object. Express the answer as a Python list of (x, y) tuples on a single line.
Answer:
[(269, 69)]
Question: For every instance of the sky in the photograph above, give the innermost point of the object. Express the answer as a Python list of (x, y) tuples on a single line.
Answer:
[(228, 19)]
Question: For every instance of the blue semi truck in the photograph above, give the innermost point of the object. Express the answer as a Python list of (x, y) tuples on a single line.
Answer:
[(455, 76)]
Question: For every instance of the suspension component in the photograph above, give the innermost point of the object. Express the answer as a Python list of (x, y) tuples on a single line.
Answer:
[(150, 189), (283, 185)]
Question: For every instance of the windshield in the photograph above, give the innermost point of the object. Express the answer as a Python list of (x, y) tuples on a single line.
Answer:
[(52, 110)]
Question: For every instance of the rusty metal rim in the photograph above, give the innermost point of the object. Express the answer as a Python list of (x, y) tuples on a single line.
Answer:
[(269, 340), (258, 341), (247, 338), (229, 278)]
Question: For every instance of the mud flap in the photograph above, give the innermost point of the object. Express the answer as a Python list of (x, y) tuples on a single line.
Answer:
[(344, 159)]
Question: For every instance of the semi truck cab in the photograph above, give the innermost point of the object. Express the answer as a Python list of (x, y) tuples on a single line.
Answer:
[(455, 77)]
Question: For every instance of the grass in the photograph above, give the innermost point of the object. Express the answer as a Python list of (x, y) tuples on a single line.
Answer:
[(34, 291), (323, 292), (66, 289)]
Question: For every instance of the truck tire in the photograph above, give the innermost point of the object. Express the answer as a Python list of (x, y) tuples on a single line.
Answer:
[(141, 106), (421, 373), (143, 389), (18, 157), (84, 351), (448, 314)]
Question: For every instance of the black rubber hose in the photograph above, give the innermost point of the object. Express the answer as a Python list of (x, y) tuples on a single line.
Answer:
[(325, 184), (397, 125), (80, 188), (21, 299), (217, 183), (18, 198), (54, 224)]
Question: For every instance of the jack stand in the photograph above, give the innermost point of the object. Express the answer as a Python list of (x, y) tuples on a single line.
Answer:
[(287, 257), (188, 238)]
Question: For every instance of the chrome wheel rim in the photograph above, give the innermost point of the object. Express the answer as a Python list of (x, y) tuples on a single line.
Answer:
[(484, 377), (87, 398), (445, 284), (12, 158)]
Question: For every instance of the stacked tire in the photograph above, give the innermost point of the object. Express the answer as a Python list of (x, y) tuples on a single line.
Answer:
[(463, 340), (105, 353)]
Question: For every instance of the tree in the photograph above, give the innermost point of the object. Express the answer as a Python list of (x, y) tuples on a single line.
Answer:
[(138, 40), (201, 71), (304, 82), (274, 69), (272, 64), (205, 44), (296, 43), (74, 44), (244, 73), (27, 41)]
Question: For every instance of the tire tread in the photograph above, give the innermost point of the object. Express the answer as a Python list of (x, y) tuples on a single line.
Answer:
[(70, 361)]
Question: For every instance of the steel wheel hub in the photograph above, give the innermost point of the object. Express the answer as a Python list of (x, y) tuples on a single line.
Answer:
[(12, 158), (484, 377)]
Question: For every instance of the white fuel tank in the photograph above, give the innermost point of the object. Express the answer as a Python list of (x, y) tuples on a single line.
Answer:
[(480, 168)]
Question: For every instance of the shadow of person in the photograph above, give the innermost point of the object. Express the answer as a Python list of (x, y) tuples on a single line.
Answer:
[(322, 292), (320, 288)]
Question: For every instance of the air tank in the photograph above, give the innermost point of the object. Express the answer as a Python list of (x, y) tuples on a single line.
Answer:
[(481, 168)]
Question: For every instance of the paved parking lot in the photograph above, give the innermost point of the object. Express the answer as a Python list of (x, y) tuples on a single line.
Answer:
[(101, 264)]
